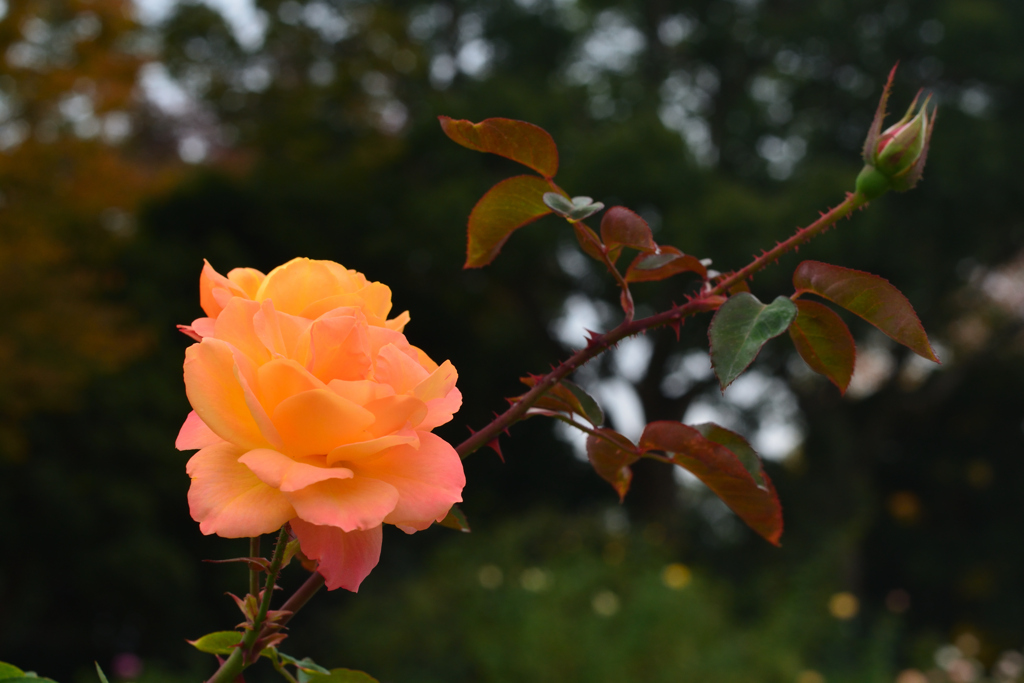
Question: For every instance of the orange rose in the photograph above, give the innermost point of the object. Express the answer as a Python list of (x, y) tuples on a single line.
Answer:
[(311, 407)]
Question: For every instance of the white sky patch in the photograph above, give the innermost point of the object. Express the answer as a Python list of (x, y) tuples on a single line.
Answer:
[(632, 356), (686, 99), (579, 314), (612, 45), (163, 91), (693, 366), (620, 401), (248, 23), (875, 364)]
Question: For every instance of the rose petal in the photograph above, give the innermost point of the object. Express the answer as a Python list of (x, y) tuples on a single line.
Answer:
[(213, 388), (429, 479), (374, 300), (398, 323), (204, 327), (394, 413), (235, 326), (349, 504), (195, 434), (281, 333), (247, 279), (442, 398), (354, 452), (281, 378), (396, 368), (209, 282), (360, 391), (318, 421), (300, 282), (345, 558), (339, 348), (283, 473), (227, 499)]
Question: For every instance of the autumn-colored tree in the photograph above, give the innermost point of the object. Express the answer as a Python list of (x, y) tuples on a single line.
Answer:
[(70, 183)]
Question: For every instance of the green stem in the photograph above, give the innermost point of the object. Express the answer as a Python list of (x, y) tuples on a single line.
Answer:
[(254, 573), (243, 656), (708, 300)]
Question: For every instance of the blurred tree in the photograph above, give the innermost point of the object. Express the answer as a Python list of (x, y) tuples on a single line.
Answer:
[(725, 124)]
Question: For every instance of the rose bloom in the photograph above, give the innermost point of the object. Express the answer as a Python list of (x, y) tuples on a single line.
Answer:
[(310, 407)]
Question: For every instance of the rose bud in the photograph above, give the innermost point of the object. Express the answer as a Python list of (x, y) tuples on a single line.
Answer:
[(895, 157)]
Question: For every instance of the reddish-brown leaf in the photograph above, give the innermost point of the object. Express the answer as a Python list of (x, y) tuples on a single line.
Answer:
[(611, 457), (667, 262), (824, 342), (869, 296), (722, 471), (620, 228), (526, 143), (506, 207)]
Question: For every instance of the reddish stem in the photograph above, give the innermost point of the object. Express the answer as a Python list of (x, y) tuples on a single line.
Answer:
[(708, 300)]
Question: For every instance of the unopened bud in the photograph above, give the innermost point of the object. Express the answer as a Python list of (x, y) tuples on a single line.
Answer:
[(895, 158)]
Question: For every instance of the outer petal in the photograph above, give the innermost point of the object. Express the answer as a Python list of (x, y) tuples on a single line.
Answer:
[(210, 281), (215, 390), (281, 472), (235, 326), (195, 434), (248, 279), (399, 322), (374, 300), (429, 479), (302, 281), (316, 422), (227, 499), (345, 558), (442, 398), (348, 504)]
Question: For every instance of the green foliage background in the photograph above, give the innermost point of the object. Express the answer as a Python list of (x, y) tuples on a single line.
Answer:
[(100, 556)]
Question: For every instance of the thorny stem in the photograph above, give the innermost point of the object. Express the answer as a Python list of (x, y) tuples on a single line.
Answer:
[(300, 597), (239, 659), (254, 573), (708, 300)]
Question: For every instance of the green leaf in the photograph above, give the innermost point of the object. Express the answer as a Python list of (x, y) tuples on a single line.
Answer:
[(667, 262), (824, 342), (740, 328), (217, 643), (506, 207), (611, 457), (588, 407), (869, 296), (558, 203), (305, 664), (526, 143), (620, 228), (569, 398), (10, 671), (739, 446), (722, 470), (345, 676), (456, 519), (99, 672)]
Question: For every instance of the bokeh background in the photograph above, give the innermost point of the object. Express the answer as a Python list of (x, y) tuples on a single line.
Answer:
[(138, 139)]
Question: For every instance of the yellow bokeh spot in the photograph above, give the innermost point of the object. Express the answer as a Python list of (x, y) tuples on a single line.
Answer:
[(843, 605), (676, 576), (810, 676)]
